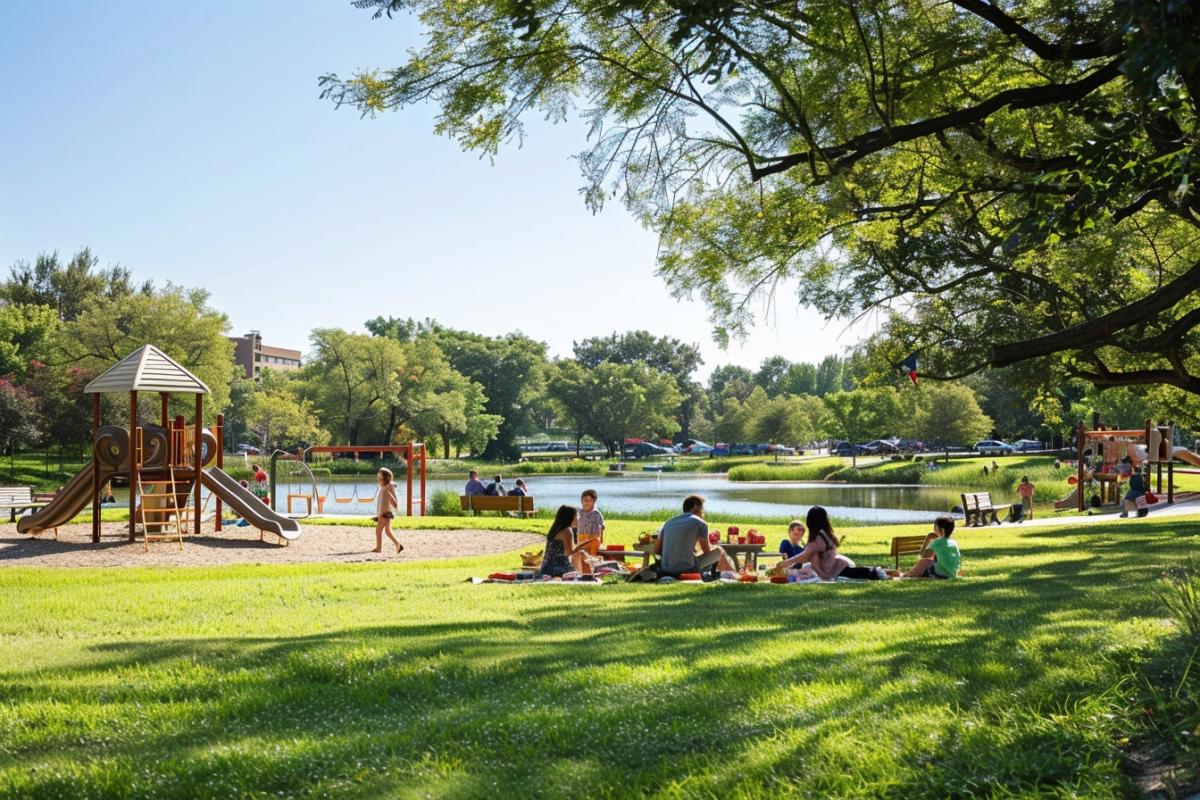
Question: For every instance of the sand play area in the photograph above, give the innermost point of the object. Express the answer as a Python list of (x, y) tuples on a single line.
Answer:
[(233, 545)]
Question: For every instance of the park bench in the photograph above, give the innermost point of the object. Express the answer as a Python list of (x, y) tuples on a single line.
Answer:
[(979, 510), (19, 499), (507, 503), (906, 546)]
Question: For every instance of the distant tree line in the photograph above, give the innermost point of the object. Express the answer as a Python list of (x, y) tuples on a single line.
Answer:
[(62, 322)]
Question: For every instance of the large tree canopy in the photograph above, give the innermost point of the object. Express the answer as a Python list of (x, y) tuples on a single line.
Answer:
[(996, 182)]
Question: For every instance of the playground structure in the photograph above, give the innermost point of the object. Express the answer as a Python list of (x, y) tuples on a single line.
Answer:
[(1100, 453), (413, 454), (166, 464)]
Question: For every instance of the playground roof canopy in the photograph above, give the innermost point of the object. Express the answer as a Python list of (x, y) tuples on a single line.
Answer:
[(147, 369)]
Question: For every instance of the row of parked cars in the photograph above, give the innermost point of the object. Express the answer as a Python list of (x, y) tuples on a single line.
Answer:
[(887, 447)]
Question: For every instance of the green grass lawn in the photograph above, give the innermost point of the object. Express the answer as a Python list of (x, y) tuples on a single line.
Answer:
[(1040, 674)]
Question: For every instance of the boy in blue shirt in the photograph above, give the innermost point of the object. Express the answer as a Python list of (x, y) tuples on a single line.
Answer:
[(793, 545)]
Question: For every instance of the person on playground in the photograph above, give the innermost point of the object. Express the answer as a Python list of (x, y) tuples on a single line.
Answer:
[(821, 552), (677, 541), (474, 486), (793, 545), (1025, 489), (563, 554), (940, 557), (385, 511), (590, 528), (1137, 489)]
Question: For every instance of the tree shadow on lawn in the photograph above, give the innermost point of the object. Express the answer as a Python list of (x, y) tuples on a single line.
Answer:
[(925, 688)]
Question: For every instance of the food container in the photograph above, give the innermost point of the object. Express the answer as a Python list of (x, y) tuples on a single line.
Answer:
[(714, 537), (748, 577), (779, 579), (689, 576), (741, 540)]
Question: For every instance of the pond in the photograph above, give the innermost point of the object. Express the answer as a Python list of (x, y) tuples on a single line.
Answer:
[(655, 492)]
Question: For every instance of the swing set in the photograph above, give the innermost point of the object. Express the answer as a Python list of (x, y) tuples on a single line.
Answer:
[(413, 455)]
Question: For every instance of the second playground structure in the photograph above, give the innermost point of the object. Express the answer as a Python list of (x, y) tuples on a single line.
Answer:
[(1101, 451), (166, 464)]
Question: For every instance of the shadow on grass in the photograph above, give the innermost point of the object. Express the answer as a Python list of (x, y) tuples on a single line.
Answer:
[(986, 686)]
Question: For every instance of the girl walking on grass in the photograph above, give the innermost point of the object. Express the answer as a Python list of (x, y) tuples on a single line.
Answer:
[(385, 511)]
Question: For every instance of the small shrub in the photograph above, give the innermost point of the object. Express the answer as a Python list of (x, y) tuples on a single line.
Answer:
[(1181, 596), (445, 504)]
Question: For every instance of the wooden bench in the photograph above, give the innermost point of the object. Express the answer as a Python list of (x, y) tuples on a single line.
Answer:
[(906, 546), (978, 509), (506, 503), (21, 498)]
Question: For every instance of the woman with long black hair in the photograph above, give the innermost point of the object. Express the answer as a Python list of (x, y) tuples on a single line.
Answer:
[(821, 551), (562, 554)]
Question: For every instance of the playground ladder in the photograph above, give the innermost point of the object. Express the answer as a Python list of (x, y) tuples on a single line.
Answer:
[(160, 502)]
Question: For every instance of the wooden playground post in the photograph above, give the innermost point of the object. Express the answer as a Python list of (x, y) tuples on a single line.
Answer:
[(423, 450), (133, 464), (163, 397), (196, 458), (1080, 440), (95, 470), (220, 461), (408, 468)]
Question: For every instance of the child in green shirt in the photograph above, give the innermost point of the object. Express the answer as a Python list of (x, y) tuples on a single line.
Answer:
[(940, 557)]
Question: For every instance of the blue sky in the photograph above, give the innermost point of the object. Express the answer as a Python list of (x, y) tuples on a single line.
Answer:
[(186, 141)]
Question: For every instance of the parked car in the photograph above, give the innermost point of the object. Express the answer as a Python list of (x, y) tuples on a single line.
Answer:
[(647, 450), (780, 450), (720, 449), (693, 447), (911, 446), (881, 447), (994, 447), (846, 450), (1028, 445), (247, 450)]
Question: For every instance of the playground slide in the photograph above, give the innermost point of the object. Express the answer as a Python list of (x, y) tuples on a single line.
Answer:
[(249, 507), (1183, 454), (1070, 501), (70, 500)]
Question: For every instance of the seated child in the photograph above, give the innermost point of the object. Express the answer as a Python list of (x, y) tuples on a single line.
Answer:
[(793, 545), (940, 557)]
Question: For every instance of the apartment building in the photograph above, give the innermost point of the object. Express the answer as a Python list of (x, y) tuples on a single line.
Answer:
[(252, 355)]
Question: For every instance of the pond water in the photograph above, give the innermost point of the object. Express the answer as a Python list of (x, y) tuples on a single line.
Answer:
[(655, 492)]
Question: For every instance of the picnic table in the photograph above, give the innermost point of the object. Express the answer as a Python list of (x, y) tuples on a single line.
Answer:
[(750, 551), (644, 550)]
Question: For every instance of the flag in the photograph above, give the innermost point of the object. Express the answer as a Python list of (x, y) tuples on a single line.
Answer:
[(909, 367)]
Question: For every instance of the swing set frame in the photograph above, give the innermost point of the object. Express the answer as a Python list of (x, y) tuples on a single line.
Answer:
[(414, 455)]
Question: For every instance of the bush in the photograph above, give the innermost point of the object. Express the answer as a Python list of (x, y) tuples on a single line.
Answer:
[(445, 504), (1181, 596)]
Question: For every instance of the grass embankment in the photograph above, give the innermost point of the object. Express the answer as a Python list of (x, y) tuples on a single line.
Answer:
[(817, 469), (1027, 678), (963, 474)]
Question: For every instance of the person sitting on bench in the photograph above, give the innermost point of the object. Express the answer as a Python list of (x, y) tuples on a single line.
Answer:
[(474, 487), (940, 557), (519, 489), (562, 554), (677, 541)]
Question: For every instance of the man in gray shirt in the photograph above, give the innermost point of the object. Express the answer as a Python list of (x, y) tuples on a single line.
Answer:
[(474, 486), (677, 541)]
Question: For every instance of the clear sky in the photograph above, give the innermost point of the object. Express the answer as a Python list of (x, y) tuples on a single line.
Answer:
[(186, 141)]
